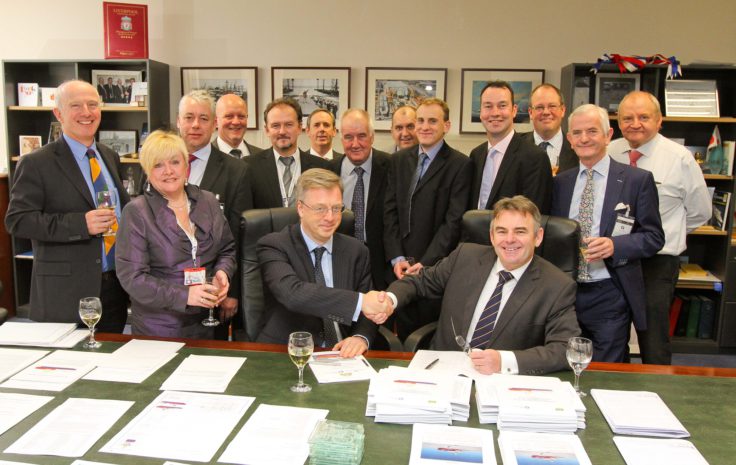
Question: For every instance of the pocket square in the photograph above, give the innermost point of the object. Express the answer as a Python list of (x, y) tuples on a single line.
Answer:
[(621, 206)]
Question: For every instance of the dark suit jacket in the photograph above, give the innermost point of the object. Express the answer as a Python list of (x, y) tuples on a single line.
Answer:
[(102, 90), (380, 269), (48, 201), (437, 205), (252, 148), (525, 170), (567, 160), (295, 302), (264, 177), (536, 322), (633, 187)]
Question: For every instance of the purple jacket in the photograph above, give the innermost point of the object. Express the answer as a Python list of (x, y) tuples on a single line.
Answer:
[(152, 252)]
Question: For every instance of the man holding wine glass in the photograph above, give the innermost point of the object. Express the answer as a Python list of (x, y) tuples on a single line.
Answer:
[(53, 202)]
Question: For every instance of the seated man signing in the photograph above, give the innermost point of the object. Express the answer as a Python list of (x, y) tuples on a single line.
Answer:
[(317, 280), (515, 309)]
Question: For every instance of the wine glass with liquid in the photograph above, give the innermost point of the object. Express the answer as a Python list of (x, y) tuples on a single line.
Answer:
[(301, 346), (579, 355), (211, 321), (90, 311), (106, 201), (583, 273)]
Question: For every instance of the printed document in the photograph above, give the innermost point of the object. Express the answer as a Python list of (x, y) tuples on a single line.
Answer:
[(15, 407), (446, 445), (329, 367), (203, 373)]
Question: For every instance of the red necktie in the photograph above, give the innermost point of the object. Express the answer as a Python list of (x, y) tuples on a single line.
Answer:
[(634, 156), (189, 167)]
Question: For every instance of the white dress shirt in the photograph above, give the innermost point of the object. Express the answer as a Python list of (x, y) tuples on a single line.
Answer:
[(490, 170), (554, 147), (225, 147), (684, 201), (196, 172), (296, 171), (328, 156)]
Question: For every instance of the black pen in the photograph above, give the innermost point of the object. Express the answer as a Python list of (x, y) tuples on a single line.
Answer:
[(366, 362), (431, 364)]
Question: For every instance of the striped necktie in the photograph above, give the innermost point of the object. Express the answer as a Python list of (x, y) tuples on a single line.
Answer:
[(99, 185), (487, 321)]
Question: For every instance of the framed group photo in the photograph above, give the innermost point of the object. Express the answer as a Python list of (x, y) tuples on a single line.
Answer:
[(522, 81), (313, 88), (387, 89), (115, 86), (218, 81)]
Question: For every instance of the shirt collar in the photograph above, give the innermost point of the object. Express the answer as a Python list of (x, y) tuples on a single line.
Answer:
[(367, 165), (79, 150), (517, 273), (555, 141), (503, 144), (293, 155), (433, 150), (327, 156), (225, 147), (311, 245), (648, 148), (204, 152), (601, 167)]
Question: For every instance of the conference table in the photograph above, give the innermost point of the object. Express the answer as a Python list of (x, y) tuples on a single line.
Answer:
[(701, 398)]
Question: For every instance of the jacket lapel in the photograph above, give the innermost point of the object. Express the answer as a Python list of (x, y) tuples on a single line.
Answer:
[(212, 170), (509, 158), (68, 165), (523, 290), (439, 161), (615, 184), (484, 264)]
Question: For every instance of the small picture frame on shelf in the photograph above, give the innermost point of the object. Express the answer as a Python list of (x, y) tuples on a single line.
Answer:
[(28, 144), (123, 142), (54, 131), (221, 80), (313, 88), (611, 88), (115, 86)]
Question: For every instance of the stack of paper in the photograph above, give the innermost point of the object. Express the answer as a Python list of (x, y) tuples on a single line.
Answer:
[(336, 442), (55, 372), (14, 360), (433, 444), (528, 448), (135, 361), (405, 396), (648, 451), (638, 413), (529, 403), (58, 335), (203, 373), (329, 367), (274, 434)]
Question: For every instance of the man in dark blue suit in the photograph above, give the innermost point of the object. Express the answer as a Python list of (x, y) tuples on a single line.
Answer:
[(618, 210)]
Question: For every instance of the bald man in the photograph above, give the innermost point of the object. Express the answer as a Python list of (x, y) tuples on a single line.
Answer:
[(231, 116), (404, 128)]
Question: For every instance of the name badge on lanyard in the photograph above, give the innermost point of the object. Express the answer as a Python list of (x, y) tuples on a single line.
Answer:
[(196, 274), (624, 224)]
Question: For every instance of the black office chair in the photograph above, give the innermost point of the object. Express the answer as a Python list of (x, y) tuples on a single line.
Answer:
[(3, 311), (255, 224), (559, 246)]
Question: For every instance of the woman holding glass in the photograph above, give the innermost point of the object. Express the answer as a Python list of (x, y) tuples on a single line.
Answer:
[(169, 239)]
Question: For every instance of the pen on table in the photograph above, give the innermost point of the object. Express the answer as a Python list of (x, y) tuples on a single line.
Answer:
[(432, 363), (366, 362)]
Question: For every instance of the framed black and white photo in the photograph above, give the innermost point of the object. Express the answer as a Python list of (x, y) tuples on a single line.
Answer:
[(28, 144), (610, 89), (115, 85), (387, 89), (313, 88), (218, 81), (123, 142), (522, 81), (54, 131)]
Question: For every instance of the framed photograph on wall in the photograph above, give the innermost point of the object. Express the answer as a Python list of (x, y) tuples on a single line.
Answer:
[(115, 85), (123, 142), (387, 89), (218, 81), (522, 81), (313, 88), (28, 144), (610, 88)]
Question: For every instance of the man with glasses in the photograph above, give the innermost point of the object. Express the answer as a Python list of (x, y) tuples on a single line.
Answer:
[(316, 280), (547, 111), (507, 165)]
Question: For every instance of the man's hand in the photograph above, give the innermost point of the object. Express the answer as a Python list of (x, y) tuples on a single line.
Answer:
[(377, 306), (99, 221), (486, 361), (351, 346), (228, 308), (403, 268), (599, 248)]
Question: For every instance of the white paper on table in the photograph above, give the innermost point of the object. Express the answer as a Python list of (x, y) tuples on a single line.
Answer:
[(7, 462), (33, 334), (405, 387), (649, 451), (14, 360), (638, 413), (56, 371), (439, 445), (15, 407), (516, 448), (274, 435), (181, 425), (135, 361), (71, 339), (169, 462), (448, 361), (203, 373), (71, 428), (87, 462), (329, 367)]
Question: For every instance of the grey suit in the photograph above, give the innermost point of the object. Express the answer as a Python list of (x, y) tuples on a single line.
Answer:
[(295, 302), (535, 323), (48, 203)]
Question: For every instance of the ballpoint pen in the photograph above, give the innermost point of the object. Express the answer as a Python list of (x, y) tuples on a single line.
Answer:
[(431, 364)]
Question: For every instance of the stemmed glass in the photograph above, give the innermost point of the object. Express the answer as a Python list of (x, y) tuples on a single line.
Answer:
[(90, 311), (583, 271), (106, 201), (211, 320), (301, 346), (579, 354), (460, 340)]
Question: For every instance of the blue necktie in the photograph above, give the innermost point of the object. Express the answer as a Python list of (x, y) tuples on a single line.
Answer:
[(358, 204), (487, 321)]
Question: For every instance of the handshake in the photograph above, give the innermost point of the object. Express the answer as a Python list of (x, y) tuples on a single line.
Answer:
[(377, 306)]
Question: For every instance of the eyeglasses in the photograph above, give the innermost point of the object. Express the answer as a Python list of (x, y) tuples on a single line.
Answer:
[(321, 210), (550, 107)]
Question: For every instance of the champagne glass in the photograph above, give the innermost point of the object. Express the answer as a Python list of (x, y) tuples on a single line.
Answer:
[(90, 311), (579, 354), (211, 320), (106, 201), (301, 346)]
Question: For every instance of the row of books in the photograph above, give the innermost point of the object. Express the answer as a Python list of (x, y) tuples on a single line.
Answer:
[(692, 315), (720, 199)]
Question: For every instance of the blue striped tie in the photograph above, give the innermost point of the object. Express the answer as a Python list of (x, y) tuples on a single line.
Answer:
[(486, 323)]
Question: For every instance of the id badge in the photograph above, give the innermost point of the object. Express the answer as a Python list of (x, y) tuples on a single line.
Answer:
[(623, 225), (194, 276)]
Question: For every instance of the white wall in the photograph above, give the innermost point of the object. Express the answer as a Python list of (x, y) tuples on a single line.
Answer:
[(359, 34)]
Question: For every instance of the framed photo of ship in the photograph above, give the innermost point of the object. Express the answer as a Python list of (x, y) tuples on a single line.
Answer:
[(313, 88), (218, 81)]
